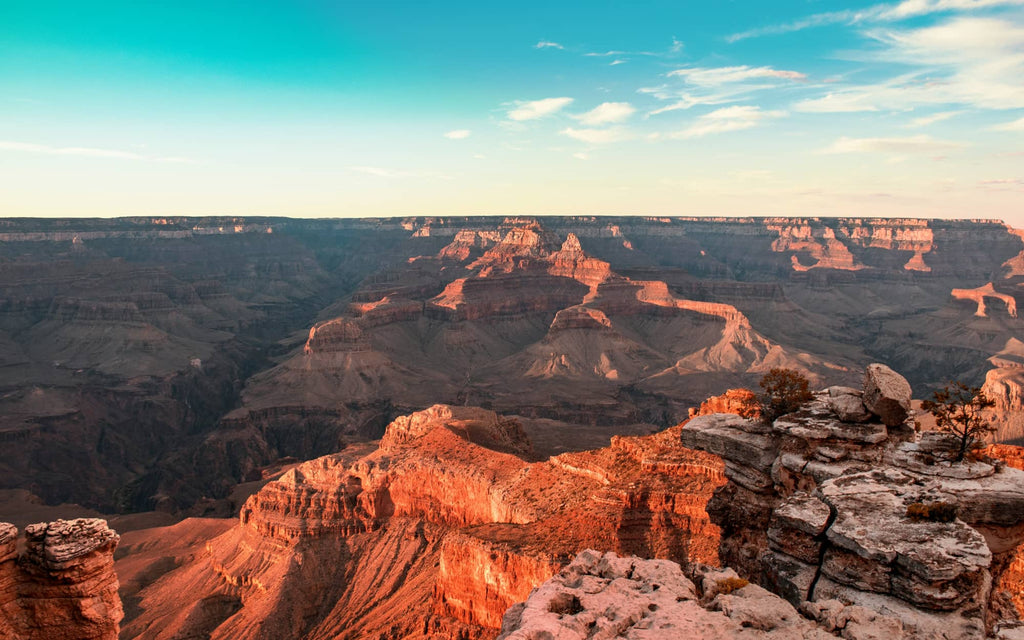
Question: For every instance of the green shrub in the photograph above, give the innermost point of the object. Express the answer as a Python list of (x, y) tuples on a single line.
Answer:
[(782, 391)]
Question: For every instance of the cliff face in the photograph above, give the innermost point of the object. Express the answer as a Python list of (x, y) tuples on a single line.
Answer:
[(63, 586), (432, 534), (139, 337), (821, 507)]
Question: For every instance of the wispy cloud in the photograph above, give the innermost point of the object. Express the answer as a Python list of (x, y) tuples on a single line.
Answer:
[(716, 85), (673, 50), (547, 44), (1016, 125), (727, 119), (88, 152), (876, 13), (910, 144), (535, 109), (458, 134), (382, 172), (599, 136), (974, 62), (925, 121), (606, 113), (716, 76)]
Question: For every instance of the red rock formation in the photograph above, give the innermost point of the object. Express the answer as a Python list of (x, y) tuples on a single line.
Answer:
[(435, 532), (738, 401), (63, 587), (978, 295)]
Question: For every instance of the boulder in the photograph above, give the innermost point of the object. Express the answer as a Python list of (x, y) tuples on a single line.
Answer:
[(886, 394), (848, 404)]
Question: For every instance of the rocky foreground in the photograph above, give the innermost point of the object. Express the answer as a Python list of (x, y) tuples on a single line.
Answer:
[(62, 586), (840, 520), (843, 510)]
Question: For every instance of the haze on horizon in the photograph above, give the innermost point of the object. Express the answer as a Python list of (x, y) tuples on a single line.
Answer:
[(911, 108)]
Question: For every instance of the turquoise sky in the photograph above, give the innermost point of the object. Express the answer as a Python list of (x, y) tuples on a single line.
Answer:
[(315, 108)]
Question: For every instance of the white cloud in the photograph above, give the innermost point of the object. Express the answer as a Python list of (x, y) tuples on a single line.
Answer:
[(876, 13), (599, 136), (975, 62), (911, 144), (674, 49), (581, 156), (377, 171), (911, 8), (1016, 125), (534, 109), (925, 121), (606, 113), (381, 172), (615, 62), (458, 134), (87, 152), (544, 44), (727, 119), (712, 77)]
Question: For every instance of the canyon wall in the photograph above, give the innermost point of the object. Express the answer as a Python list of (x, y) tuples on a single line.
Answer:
[(843, 500), (266, 338), (63, 585), (433, 533)]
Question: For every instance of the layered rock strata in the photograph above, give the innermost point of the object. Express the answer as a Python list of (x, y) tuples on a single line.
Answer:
[(63, 586), (818, 508), (433, 534)]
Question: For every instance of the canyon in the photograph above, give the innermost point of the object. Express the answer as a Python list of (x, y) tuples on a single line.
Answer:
[(450, 527), (339, 386)]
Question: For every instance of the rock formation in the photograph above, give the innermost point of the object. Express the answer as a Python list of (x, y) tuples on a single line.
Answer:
[(871, 514), (434, 533), (605, 596), (63, 586), (157, 362)]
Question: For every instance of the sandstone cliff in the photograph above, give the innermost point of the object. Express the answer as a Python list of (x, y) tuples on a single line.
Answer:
[(820, 507), (434, 533), (137, 336), (63, 586)]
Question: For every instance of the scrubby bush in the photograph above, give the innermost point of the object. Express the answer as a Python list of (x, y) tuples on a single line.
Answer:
[(782, 391), (725, 586), (932, 511), (958, 411)]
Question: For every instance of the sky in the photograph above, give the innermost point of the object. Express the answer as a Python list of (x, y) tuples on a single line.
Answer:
[(316, 108)]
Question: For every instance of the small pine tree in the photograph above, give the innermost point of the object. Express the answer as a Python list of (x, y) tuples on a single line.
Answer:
[(782, 391), (958, 411)]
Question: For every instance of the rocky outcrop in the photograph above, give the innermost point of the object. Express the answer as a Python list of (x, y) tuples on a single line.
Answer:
[(978, 296), (434, 533), (737, 401), (886, 394), (605, 596), (821, 509), (63, 586)]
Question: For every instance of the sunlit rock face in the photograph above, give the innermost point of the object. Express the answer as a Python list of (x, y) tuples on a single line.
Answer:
[(189, 355), (818, 508), (433, 533), (63, 586)]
